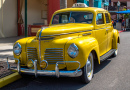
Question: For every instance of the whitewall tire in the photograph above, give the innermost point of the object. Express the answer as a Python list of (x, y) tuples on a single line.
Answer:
[(88, 69)]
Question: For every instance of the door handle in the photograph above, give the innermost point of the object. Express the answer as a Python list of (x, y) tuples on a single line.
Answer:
[(107, 29)]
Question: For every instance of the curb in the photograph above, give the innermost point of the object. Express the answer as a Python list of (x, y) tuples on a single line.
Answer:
[(121, 31), (9, 79)]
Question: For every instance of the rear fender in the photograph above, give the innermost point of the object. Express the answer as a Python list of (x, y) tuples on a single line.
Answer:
[(116, 39)]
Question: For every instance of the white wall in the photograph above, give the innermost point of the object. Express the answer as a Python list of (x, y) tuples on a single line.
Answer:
[(128, 4), (9, 13), (1, 14), (34, 11), (8, 18)]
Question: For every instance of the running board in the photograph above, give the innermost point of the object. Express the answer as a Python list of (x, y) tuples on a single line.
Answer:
[(107, 55)]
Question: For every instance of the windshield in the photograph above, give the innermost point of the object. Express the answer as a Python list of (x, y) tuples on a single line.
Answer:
[(73, 17)]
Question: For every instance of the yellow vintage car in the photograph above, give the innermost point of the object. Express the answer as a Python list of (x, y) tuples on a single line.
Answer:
[(76, 38)]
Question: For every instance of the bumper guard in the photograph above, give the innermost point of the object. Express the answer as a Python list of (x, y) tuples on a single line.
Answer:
[(56, 72)]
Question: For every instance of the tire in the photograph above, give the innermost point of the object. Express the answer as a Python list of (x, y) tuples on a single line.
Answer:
[(88, 69)]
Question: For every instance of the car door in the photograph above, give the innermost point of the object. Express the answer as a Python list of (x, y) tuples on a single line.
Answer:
[(100, 32), (109, 29)]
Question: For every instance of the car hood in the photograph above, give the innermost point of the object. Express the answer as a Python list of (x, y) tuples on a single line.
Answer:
[(65, 28)]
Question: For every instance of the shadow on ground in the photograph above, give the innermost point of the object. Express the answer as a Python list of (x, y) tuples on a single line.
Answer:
[(10, 39), (30, 82)]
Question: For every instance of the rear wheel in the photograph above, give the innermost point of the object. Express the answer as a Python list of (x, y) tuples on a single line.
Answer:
[(88, 69), (116, 51)]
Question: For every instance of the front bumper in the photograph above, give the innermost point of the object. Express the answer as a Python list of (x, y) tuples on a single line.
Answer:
[(56, 72)]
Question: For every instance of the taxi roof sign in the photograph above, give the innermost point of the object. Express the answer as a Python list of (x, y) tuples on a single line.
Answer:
[(78, 5)]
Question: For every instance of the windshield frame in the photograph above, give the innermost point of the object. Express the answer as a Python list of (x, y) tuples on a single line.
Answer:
[(70, 17)]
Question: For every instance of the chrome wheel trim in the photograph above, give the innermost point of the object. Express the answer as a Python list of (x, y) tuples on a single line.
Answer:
[(89, 66), (116, 52)]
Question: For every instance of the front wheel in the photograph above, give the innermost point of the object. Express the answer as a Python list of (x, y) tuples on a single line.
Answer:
[(88, 69)]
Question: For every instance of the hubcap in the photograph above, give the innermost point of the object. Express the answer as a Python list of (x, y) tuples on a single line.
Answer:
[(89, 68), (116, 52)]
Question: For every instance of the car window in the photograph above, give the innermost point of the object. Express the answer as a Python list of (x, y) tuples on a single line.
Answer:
[(56, 19), (99, 19), (107, 18), (81, 17), (61, 18), (73, 17)]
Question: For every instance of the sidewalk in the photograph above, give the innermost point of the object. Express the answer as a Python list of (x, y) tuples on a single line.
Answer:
[(6, 50), (6, 47)]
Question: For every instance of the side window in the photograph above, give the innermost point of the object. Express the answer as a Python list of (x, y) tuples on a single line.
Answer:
[(99, 19), (64, 18), (107, 18), (55, 19)]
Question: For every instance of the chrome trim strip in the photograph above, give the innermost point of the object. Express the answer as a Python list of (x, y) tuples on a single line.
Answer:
[(35, 68), (54, 48), (66, 33), (8, 64), (49, 38), (53, 52), (40, 41), (85, 34), (51, 73), (104, 28), (31, 54), (32, 51), (100, 28), (53, 57), (107, 55), (31, 47)]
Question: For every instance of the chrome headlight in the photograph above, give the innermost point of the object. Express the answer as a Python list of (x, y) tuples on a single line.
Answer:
[(17, 49), (73, 50)]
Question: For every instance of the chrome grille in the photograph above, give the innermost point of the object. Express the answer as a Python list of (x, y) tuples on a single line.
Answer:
[(32, 53), (52, 55)]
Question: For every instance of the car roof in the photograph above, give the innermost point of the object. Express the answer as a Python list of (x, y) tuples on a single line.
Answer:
[(91, 9)]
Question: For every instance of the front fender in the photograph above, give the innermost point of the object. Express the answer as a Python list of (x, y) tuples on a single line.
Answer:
[(85, 45), (116, 39), (23, 54)]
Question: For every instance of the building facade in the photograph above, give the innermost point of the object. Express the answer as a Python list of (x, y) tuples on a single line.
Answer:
[(113, 8), (123, 3), (15, 15), (8, 18), (12, 15)]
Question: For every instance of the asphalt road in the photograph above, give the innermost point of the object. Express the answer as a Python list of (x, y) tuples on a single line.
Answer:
[(112, 74)]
